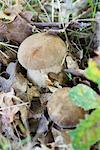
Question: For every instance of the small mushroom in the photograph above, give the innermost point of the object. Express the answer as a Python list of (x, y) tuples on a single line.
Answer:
[(40, 54), (63, 111)]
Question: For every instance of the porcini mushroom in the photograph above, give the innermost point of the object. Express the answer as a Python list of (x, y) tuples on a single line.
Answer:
[(40, 54), (63, 111)]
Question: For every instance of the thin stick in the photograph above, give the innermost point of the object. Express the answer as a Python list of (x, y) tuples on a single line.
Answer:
[(7, 107), (44, 10), (6, 56), (87, 19), (52, 10), (47, 24), (8, 45)]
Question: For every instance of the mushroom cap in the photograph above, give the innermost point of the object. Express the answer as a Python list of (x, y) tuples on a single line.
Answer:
[(41, 51), (62, 110)]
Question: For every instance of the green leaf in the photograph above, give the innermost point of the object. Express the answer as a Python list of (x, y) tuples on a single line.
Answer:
[(93, 72), (87, 132), (85, 97)]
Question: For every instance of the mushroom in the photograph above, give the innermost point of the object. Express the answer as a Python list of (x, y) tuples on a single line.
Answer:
[(40, 54), (62, 110)]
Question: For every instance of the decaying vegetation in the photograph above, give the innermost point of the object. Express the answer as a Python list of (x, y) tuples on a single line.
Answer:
[(50, 74)]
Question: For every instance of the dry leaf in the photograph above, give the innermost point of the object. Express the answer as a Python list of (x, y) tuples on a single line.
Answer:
[(45, 97), (18, 29), (6, 102), (10, 13), (36, 107), (4, 16), (71, 63), (32, 92), (9, 106), (62, 139), (24, 113), (27, 15), (3, 27), (16, 81), (5, 85), (20, 83)]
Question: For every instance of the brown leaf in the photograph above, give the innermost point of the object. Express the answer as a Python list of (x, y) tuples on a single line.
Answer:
[(32, 92), (24, 113), (3, 27), (18, 29), (71, 63), (27, 15), (60, 77), (44, 98), (36, 107), (6, 103), (16, 80), (61, 138)]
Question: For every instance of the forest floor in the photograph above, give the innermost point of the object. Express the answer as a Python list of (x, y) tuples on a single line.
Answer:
[(51, 110)]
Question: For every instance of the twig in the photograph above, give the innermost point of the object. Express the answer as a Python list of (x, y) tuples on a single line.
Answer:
[(58, 24), (87, 19), (79, 73), (47, 24), (79, 5), (52, 2), (98, 32), (42, 7), (7, 57), (18, 105), (8, 45)]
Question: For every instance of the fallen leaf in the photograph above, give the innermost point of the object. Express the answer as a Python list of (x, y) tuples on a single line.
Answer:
[(20, 32), (36, 106), (10, 13), (84, 96), (87, 132), (5, 84), (61, 137), (20, 83), (32, 92), (6, 103), (45, 97), (71, 63), (3, 27), (24, 113), (17, 33), (16, 80)]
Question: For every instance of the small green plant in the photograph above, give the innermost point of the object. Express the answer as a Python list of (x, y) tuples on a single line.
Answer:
[(69, 76), (92, 72), (93, 6), (87, 132)]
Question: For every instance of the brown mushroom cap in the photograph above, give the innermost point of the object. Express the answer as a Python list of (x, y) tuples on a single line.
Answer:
[(62, 110), (41, 51)]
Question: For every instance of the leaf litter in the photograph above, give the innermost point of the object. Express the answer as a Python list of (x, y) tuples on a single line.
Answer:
[(25, 115)]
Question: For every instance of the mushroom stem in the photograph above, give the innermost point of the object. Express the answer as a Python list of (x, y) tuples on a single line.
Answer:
[(40, 77)]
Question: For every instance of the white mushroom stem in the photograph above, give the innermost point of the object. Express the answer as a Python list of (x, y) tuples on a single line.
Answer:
[(40, 77)]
